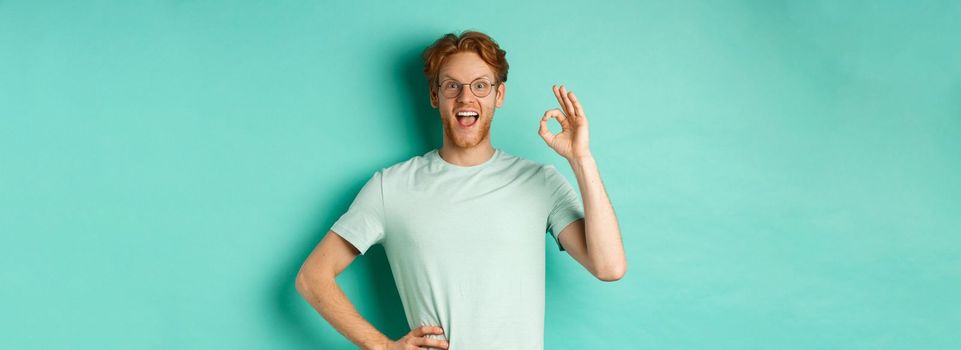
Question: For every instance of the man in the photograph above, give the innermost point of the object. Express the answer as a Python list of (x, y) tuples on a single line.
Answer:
[(463, 225)]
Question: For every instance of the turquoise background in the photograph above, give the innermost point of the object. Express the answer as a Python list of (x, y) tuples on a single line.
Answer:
[(786, 174)]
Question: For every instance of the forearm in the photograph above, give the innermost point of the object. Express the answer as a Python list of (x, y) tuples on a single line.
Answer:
[(601, 230), (330, 301)]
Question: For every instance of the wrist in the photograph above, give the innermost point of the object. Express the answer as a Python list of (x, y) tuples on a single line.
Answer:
[(581, 159), (383, 344)]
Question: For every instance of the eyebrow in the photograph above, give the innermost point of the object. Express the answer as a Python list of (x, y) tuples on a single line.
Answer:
[(450, 77)]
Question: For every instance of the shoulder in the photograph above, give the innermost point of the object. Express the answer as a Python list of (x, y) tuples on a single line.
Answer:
[(520, 165), (407, 166), (510, 158)]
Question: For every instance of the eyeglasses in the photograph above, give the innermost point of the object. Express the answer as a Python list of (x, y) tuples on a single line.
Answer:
[(480, 87)]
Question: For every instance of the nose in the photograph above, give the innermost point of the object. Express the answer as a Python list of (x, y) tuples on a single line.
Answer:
[(465, 94)]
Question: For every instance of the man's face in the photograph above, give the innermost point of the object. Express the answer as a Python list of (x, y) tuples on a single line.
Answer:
[(466, 67)]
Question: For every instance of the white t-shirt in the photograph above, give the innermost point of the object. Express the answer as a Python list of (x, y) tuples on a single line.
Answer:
[(466, 243)]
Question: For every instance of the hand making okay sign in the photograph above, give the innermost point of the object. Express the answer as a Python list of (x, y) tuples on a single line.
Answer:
[(572, 141)]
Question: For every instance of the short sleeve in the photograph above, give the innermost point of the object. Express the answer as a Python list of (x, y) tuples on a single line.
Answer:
[(363, 223), (566, 206)]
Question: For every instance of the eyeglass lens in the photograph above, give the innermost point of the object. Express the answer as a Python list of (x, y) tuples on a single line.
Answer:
[(480, 88)]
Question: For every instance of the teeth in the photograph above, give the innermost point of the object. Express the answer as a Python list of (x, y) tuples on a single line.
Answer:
[(466, 114)]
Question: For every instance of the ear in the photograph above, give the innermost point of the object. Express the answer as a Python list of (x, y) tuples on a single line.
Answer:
[(433, 98), (501, 90)]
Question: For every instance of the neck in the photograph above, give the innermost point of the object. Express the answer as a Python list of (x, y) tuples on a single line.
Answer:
[(466, 156)]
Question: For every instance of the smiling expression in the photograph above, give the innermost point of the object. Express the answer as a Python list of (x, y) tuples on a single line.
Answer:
[(465, 67)]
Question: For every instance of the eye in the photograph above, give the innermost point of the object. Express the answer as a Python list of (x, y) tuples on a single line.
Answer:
[(480, 85), (451, 85)]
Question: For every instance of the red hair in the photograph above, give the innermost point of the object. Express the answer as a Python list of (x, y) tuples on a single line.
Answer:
[(469, 41)]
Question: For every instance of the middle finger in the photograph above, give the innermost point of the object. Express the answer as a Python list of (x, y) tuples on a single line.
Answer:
[(557, 94), (567, 102)]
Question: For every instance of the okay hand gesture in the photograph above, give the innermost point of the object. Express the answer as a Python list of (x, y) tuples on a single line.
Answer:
[(572, 141)]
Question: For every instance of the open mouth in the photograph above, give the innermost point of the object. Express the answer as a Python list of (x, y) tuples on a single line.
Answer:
[(467, 118)]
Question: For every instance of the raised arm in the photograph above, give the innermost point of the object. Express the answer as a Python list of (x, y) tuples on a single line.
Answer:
[(595, 242)]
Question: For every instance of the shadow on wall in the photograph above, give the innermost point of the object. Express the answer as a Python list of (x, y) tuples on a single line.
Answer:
[(410, 74), (372, 270)]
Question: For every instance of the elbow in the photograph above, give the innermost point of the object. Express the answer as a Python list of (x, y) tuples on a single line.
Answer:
[(308, 280), (305, 278), (301, 283), (610, 277), (612, 274)]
